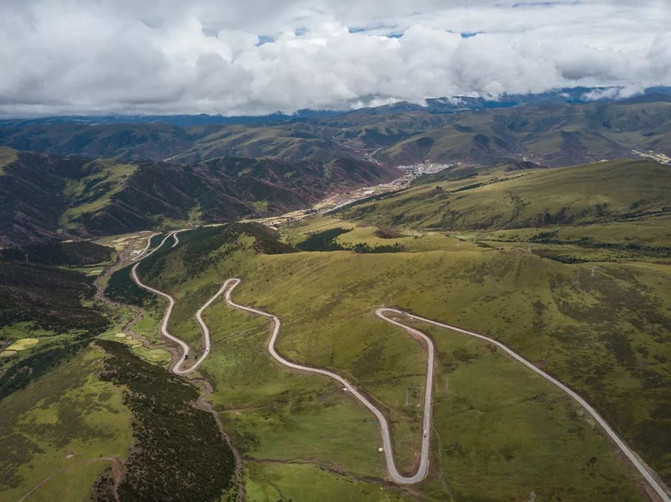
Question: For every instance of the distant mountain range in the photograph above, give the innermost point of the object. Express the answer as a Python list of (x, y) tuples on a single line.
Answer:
[(47, 197), (85, 179), (544, 132), (569, 95)]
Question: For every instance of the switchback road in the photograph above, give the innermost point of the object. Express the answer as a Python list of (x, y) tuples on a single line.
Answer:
[(178, 366), (230, 284), (639, 464), (384, 425)]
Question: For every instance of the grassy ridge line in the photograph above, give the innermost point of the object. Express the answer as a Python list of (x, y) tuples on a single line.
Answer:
[(600, 192), (642, 240)]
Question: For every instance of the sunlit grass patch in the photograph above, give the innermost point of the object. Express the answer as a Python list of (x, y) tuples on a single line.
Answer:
[(275, 481), (24, 343)]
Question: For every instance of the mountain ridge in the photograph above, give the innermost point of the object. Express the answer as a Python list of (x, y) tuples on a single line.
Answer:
[(552, 134), (47, 197)]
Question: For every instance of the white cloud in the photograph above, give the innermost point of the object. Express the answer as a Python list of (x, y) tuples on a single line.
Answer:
[(169, 56)]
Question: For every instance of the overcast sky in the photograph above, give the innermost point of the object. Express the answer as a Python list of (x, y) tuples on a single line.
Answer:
[(260, 56)]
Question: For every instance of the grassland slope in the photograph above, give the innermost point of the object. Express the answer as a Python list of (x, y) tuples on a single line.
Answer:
[(601, 192), (325, 300)]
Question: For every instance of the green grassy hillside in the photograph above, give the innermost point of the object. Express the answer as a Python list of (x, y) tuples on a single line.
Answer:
[(567, 266), (603, 334), (61, 431), (602, 192), (93, 192)]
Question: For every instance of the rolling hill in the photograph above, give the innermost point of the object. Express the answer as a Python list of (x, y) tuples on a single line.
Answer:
[(548, 133), (528, 238), (500, 198), (597, 322), (46, 197)]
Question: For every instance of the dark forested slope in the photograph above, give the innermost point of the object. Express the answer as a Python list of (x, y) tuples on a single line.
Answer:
[(46, 197)]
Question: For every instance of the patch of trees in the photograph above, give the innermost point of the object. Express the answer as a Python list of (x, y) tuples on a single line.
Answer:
[(323, 241), (19, 375), (59, 253), (266, 240), (179, 452), (363, 248), (121, 288), (49, 297), (326, 241), (551, 237), (388, 233), (553, 255), (468, 187)]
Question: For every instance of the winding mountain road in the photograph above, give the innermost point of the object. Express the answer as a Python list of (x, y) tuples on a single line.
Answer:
[(639, 464), (228, 287), (174, 235), (384, 425), (178, 366), (143, 251), (422, 470)]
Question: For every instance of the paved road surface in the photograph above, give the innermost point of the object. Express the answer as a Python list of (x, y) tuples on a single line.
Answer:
[(141, 253), (177, 368), (174, 235), (422, 470), (384, 426), (639, 464), (428, 393)]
